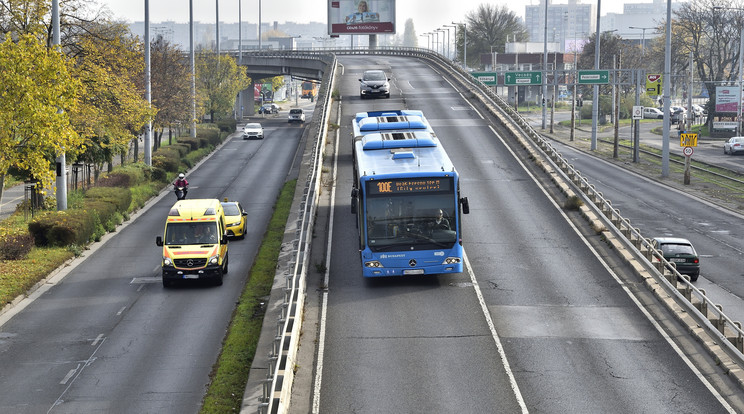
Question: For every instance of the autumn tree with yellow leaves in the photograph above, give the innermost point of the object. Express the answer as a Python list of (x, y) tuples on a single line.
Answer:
[(37, 94)]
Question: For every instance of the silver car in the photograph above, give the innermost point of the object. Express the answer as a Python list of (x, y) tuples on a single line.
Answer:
[(734, 145), (296, 115), (374, 83)]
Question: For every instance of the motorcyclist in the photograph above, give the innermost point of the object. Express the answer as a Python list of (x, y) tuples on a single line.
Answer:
[(181, 183)]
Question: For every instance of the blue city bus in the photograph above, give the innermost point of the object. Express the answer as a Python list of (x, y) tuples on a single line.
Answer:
[(406, 195)]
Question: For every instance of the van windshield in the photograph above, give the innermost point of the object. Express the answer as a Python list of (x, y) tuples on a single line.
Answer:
[(191, 233)]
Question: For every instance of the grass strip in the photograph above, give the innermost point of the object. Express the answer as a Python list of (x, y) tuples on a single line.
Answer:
[(230, 373)]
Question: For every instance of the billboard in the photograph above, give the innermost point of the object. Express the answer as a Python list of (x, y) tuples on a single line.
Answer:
[(361, 17), (727, 98)]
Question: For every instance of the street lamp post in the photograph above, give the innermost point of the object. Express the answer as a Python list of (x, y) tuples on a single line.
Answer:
[(464, 45), (455, 39), (740, 74), (643, 37), (428, 46), (443, 43)]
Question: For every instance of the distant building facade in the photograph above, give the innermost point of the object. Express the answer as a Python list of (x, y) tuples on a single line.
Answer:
[(566, 22)]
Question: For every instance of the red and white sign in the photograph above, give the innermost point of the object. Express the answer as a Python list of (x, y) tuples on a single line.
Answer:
[(687, 151)]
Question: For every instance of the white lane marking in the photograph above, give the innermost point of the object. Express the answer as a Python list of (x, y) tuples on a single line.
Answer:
[(630, 294), (69, 375), (97, 340), (123, 308), (140, 280), (75, 374), (324, 305), (495, 335)]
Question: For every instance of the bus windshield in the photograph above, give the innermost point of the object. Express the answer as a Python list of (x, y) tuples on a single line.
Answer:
[(411, 222)]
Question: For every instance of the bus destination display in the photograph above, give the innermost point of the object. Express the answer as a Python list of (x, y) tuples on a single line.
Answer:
[(409, 185)]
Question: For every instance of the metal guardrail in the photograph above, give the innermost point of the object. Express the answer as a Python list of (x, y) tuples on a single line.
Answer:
[(278, 383), (277, 386), (693, 300)]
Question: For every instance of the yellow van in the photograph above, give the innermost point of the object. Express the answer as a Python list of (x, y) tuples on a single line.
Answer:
[(194, 242)]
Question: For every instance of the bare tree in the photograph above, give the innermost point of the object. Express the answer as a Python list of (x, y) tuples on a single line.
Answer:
[(489, 26), (171, 87)]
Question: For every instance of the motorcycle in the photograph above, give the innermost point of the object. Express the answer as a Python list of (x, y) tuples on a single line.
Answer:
[(180, 192)]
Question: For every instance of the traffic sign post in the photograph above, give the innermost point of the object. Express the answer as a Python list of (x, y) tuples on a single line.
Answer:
[(637, 112), (522, 78), (687, 142), (594, 76), (654, 85), (488, 78)]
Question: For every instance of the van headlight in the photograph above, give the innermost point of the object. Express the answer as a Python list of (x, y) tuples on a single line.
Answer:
[(214, 259), (167, 261)]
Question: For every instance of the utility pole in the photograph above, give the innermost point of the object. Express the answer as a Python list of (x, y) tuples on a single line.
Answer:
[(148, 87), (61, 160)]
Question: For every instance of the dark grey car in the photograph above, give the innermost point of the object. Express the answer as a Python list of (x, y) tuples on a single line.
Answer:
[(374, 83)]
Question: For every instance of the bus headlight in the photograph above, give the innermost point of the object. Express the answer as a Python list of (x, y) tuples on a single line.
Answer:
[(167, 261), (373, 263), (452, 260), (214, 259)]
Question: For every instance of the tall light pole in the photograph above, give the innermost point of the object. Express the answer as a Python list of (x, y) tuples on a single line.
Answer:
[(595, 89), (427, 40), (643, 37), (446, 54), (259, 27), (193, 68), (61, 159), (217, 26), (148, 87), (464, 45), (545, 67), (240, 51), (740, 73), (455, 38)]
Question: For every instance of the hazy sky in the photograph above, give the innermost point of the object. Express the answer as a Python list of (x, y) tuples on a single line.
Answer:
[(426, 14)]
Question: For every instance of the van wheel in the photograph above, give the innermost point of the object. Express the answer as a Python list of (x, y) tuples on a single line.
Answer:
[(167, 283), (218, 281)]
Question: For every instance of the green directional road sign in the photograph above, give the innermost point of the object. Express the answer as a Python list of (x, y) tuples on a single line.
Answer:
[(488, 78), (522, 78), (594, 76)]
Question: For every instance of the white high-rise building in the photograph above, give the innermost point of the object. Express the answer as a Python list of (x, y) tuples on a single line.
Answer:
[(568, 23)]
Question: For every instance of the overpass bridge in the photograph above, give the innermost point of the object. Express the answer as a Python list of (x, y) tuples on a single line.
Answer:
[(309, 64)]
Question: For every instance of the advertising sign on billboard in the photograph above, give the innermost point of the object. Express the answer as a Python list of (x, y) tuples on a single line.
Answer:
[(727, 98), (361, 17)]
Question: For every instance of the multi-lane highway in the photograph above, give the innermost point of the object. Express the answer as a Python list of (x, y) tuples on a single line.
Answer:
[(540, 322), (106, 337), (543, 320)]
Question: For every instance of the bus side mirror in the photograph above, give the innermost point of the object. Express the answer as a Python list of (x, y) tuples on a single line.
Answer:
[(465, 205), (354, 193), (159, 241)]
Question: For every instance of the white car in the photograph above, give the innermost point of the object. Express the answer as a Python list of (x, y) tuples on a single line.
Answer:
[(296, 115), (652, 113), (734, 145), (253, 131)]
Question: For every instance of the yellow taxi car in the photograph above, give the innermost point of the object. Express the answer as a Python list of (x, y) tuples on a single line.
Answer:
[(235, 221)]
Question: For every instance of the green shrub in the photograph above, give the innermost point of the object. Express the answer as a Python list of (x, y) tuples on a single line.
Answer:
[(121, 198), (114, 179), (104, 209), (227, 125), (192, 143)]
